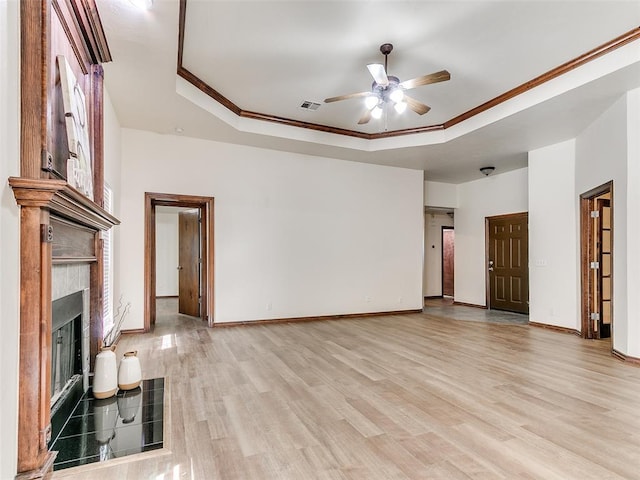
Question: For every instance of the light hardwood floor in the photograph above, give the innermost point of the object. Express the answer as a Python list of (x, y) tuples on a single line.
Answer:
[(395, 397)]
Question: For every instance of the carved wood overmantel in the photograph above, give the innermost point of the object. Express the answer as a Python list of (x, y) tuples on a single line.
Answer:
[(58, 223)]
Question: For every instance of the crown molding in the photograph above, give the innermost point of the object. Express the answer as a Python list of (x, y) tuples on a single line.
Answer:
[(618, 42)]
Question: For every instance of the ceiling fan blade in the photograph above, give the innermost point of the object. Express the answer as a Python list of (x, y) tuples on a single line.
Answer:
[(441, 76), (418, 107), (346, 97), (378, 73), (365, 118)]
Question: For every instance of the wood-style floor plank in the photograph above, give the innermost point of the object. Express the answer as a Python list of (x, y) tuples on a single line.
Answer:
[(391, 397)]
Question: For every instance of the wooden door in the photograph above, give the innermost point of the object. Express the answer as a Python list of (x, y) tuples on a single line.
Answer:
[(448, 236), (189, 262), (602, 271), (508, 262)]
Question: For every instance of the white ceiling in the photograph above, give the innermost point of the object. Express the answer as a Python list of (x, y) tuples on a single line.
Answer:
[(268, 57)]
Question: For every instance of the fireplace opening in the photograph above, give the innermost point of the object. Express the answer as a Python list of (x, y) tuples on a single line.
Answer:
[(66, 357)]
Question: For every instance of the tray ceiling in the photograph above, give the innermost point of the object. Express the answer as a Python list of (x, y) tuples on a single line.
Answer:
[(268, 57)]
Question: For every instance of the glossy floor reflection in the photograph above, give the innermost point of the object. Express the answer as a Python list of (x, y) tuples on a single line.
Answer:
[(98, 430), (444, 307)]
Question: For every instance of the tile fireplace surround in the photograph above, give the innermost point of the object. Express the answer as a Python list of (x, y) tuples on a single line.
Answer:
[(65, 280)]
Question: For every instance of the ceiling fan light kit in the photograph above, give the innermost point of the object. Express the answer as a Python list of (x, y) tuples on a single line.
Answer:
[(387, 89), (400, 107)]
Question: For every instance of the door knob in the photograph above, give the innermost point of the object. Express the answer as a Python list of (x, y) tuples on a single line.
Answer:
[(179, 267)]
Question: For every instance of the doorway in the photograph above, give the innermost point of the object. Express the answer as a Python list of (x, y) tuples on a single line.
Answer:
[(508, 262), (198, 231), (596, 231), (448, 252)]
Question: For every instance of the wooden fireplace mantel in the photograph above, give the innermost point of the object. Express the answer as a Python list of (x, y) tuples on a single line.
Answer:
[(62, 200), (58, 224)]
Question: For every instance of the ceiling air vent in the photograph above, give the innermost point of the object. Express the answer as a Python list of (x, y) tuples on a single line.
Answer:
[(308, 105)]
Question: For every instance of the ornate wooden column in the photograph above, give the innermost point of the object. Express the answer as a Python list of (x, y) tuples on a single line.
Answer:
[(35, 332)]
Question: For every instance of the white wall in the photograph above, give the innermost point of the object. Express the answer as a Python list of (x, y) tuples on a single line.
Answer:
[(632, 346), (167, 253), (9, 235), (433, 223), (442, 195), (601, 156), (497, 194), (295, 235), (554, 241)]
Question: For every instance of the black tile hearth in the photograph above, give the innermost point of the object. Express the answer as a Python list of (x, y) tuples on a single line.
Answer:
[(98, 430)]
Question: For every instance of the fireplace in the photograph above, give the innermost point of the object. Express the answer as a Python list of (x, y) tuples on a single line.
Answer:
[(66, 345), (70, 326)]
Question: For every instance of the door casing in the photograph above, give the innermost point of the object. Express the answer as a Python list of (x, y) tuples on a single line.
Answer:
[(525, 301), (587, 204), (205, 205)]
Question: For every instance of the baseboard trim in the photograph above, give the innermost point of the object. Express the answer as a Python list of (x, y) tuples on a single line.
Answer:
[(346, 316), (130, 332), (433, 297), (625, 358), (473, 305), (556, 328)]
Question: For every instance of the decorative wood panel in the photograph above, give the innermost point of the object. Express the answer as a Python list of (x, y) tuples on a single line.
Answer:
[(72, 242)]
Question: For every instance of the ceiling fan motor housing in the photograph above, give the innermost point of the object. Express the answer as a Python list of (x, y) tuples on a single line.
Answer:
[(383, 92)]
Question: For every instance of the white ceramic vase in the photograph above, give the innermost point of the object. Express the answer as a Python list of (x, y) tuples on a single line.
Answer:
[(129, 372), (105, 374)]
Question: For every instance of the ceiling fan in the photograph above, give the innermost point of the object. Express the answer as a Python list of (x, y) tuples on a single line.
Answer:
[(389, 89)]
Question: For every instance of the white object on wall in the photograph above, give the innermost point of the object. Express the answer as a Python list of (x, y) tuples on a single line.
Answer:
[(79, 166)]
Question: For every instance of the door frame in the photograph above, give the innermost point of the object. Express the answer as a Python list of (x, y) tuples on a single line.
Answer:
[(442, 229), (487, 254), (587, 202), (205, 205)]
